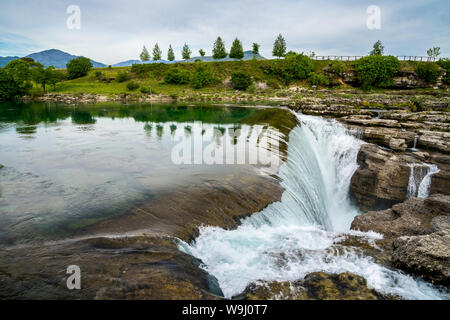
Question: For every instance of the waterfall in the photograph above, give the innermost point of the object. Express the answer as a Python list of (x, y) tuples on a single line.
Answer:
[(301, 233), (420, 180)]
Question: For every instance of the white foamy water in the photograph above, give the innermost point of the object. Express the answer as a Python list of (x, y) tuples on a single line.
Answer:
[(299, 234)]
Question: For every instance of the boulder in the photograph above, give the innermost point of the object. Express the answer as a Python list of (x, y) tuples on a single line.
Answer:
[(315, 286), (412, 217), (381, 179), (426, 255)]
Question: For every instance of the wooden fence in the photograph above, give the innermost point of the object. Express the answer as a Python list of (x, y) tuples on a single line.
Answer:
[(353, 58)]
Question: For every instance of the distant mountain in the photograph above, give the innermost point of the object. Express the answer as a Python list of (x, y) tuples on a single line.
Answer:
[(52, 57), (131, 62), (5, 60), (58, 58), (248, 55)]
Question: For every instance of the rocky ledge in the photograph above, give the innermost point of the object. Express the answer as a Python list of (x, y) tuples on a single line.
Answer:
[(417, 233), (315, 286)]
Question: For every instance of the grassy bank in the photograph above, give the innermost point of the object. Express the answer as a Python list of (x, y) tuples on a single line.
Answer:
[(266, 82)]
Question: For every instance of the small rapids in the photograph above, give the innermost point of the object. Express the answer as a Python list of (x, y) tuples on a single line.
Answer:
[(298, 235), (420, 180)]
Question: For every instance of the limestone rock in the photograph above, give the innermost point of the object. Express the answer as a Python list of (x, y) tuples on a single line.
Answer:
[(412, 217), (381, 179), (315, 286), (426, 255)]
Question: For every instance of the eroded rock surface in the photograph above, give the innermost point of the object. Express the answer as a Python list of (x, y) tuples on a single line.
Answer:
[(381, 179), (315, 286), (426, 255), (412, 217)]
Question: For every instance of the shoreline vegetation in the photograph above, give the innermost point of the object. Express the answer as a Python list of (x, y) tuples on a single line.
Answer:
[(285, 78)]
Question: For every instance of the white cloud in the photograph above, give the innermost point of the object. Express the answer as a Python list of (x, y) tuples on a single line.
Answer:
[(113, 30)]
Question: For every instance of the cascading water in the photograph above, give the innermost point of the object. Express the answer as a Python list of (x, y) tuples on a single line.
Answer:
[(420, 180), (301, 233)]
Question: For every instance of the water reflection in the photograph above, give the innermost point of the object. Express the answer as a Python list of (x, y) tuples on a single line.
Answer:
[(87, 163)]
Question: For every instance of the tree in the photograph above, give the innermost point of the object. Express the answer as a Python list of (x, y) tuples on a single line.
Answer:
[(219, 51), (78, 67), (186, 52), (202, 53), (44, 76), (255, 49), (378, 49), (157, 53), (15, 79), (170, 54), (145, 56), (9, 88), (236, 51), (279, 47), (434, 52)]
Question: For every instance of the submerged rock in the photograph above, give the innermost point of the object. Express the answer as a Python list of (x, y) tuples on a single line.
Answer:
[(315, 286)]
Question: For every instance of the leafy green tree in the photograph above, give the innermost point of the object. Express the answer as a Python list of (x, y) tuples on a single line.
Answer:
[(78, 67), (9, 88), (279, 47), (445, 64), (186, 52), (378, 49), (427, 71), (219, 51), (202, 53), (255, 49), (145, 56), (170, 54), (157, 53), (236, 51), (44, 76), (376, 71), (241, 80), (434, 52), (293, 67)]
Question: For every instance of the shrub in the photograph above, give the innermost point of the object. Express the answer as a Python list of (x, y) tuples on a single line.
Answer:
[(427, 71), (78, 67), (202, 77), (338, 67), (241, 80), (293, 67), (415, 105), (318, 79), (377, 71), (445, 64), (123, 76), (98, 74), (131, 86), (145, 90), (178, 76)]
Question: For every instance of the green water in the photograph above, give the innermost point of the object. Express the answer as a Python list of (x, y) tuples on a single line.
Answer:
[(68, 167)]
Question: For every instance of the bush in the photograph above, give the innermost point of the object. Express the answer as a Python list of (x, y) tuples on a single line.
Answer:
[(338, 67), (123, 76), (178, 76), (241, 80), (293, 67), (445, 64), (377, 71), (317, 79), (202, 77), (78, 67), (131, 86), (145, 90), (415, 105), (427, 71)]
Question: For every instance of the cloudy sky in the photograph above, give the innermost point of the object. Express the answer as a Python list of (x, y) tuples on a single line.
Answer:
[(113, 30)]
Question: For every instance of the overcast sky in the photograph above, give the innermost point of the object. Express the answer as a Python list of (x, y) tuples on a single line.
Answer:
[(113, 30)]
